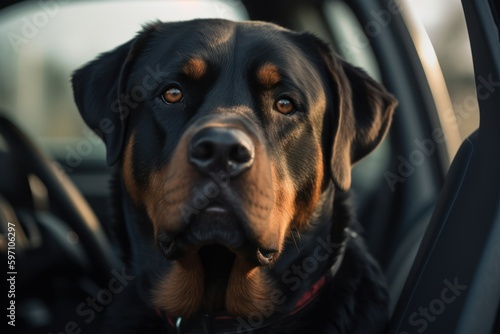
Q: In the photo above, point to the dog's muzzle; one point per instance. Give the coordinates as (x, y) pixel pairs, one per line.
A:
(228, 182)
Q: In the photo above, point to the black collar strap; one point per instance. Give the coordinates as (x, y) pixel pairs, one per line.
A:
(226, 324)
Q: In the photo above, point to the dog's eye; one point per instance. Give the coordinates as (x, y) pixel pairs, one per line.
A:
(172, 95)
(284, 106)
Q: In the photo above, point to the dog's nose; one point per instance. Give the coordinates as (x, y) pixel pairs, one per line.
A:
(214, 149)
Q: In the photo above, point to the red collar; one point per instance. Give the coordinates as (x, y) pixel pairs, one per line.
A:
(228, 324)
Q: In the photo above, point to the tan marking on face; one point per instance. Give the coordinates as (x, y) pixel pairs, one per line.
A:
(257, 198)
(168, 189)
(195, 68)
(303, 216)
(284, 204)
(128, 170)
(268, 75)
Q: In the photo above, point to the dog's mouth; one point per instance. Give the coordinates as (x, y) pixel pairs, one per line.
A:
(217, 262)
(216, 227)
(214, 244)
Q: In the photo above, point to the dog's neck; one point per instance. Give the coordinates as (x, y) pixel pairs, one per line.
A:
(310, 255)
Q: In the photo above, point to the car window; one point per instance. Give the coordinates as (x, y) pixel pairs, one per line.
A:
(350, 37)
(44, 42)
(351, 43)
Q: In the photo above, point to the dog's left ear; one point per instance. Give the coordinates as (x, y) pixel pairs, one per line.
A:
(362, 113)
(99, 87)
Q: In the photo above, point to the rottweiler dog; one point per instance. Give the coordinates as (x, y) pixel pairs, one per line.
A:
(233, 144)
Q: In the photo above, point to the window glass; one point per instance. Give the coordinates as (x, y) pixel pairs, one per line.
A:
(352, 44)
(43, 42)
(445, 24)
(350, 39)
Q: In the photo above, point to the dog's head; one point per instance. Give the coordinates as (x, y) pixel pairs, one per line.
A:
(226, 135)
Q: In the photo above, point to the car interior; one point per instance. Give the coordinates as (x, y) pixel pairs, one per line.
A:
(428, 200)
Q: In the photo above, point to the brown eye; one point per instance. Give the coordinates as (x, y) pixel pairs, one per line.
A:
(172, 95)
(284, 106)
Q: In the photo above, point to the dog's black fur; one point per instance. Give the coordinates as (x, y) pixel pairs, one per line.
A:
(284, 119)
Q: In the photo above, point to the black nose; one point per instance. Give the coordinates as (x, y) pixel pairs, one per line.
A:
(214, 149)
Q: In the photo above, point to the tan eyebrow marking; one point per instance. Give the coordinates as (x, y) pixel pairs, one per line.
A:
(268, 75)
(195, 68)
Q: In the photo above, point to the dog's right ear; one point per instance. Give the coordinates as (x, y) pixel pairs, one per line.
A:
(361, 113)
(98, 87)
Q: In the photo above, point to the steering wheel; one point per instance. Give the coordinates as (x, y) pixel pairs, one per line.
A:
(33, 184)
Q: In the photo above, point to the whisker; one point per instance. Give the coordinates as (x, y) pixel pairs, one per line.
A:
(294, 226)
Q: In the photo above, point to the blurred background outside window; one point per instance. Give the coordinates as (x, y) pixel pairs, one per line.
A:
(42, 42)
(444, 22)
